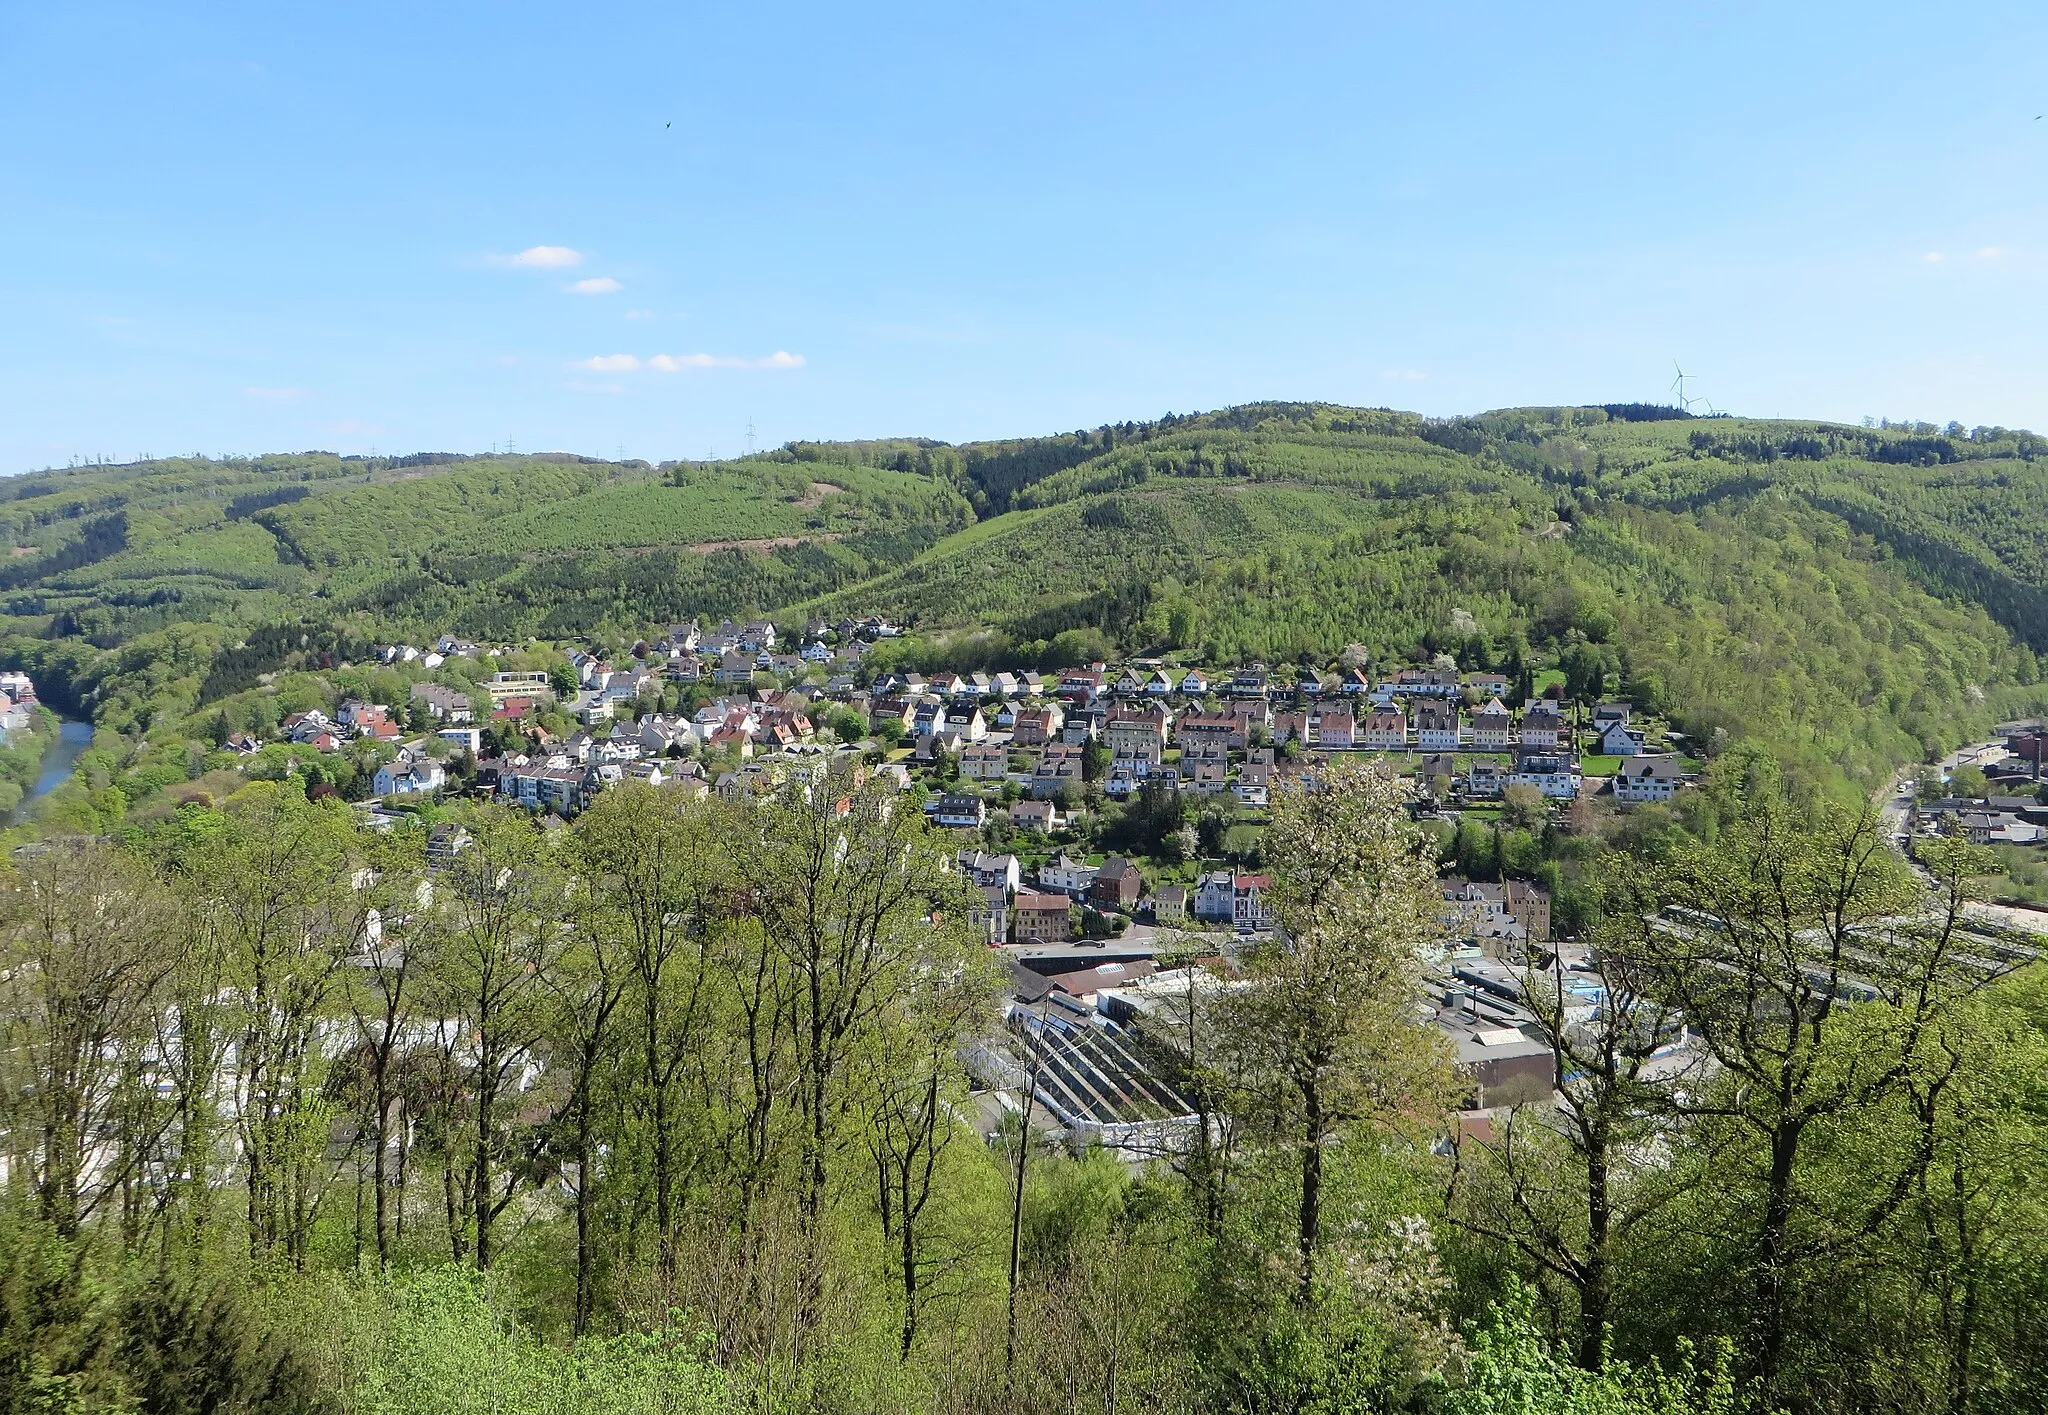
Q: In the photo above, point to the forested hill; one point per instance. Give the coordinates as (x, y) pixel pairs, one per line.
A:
(1856, 596)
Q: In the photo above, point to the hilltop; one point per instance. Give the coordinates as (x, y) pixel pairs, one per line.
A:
(1855, 596)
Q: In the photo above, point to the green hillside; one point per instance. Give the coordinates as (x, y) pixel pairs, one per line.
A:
(1854, 596)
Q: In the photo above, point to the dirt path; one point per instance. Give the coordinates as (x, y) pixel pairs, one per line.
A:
(765, 543)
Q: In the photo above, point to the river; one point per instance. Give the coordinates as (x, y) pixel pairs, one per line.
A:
(72, 739)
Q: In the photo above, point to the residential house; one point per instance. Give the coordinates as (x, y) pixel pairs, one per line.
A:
(1251, 681)
(734, 667)
(1998, 828)
(1250, 712)
(1067, 875)
(1493, 727)
(1290, 726)
(444, 843)
(1258, 766)
(1487, 685)
(1436, 772)
(1543, 725)
(303, 727)
(1219, 727)
(1169, 905)
(1332, 725)
(1486, 778)
(985, 761)
(1117, 884)
(1354, 682)
(1042, 918)
(1618, 739)
(1424, 683)
(968, 722)
(1488, 910)
(1648, 779)
(1215, 897)
(661, 734)
(1057, 765)
(1135, 732)
(961, 811)
(442, 703)
(1249, 912)
(469, 739)
(945, 742)
(1037, 725)
(408, 774)
(555, 788)
(900, 710)
(650, 773)
(1386, 728)
(1083, 686)
(1130, 763)
(1041, 816)
(985, 869)
(1193, 684)
(1552, 773)
(1082, 726)
(1209, 774)
(371, 722)
(1607, 714)
(623, 745)
(1436, 725)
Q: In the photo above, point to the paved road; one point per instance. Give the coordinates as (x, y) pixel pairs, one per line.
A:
(1895, 804)
(2030, 920)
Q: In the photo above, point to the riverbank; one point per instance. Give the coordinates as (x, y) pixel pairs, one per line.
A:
(25, 755)
(59, 758)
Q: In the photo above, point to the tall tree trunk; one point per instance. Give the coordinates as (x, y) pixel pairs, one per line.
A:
(583, 1206)
(382, 1140)
(1596, 1283)
(1771, 1254)
(1309, 1232)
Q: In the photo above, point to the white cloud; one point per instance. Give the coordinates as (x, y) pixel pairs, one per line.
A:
(1934, 257)
(1404, 375)
(1989, 252)
(542, 258)
(639, 314)
(596, 285)
(677, 363)
(274, 395)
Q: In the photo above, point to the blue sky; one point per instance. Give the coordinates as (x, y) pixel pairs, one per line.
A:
(443, 226)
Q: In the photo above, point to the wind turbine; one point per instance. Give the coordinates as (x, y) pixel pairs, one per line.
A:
(1678, 387)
